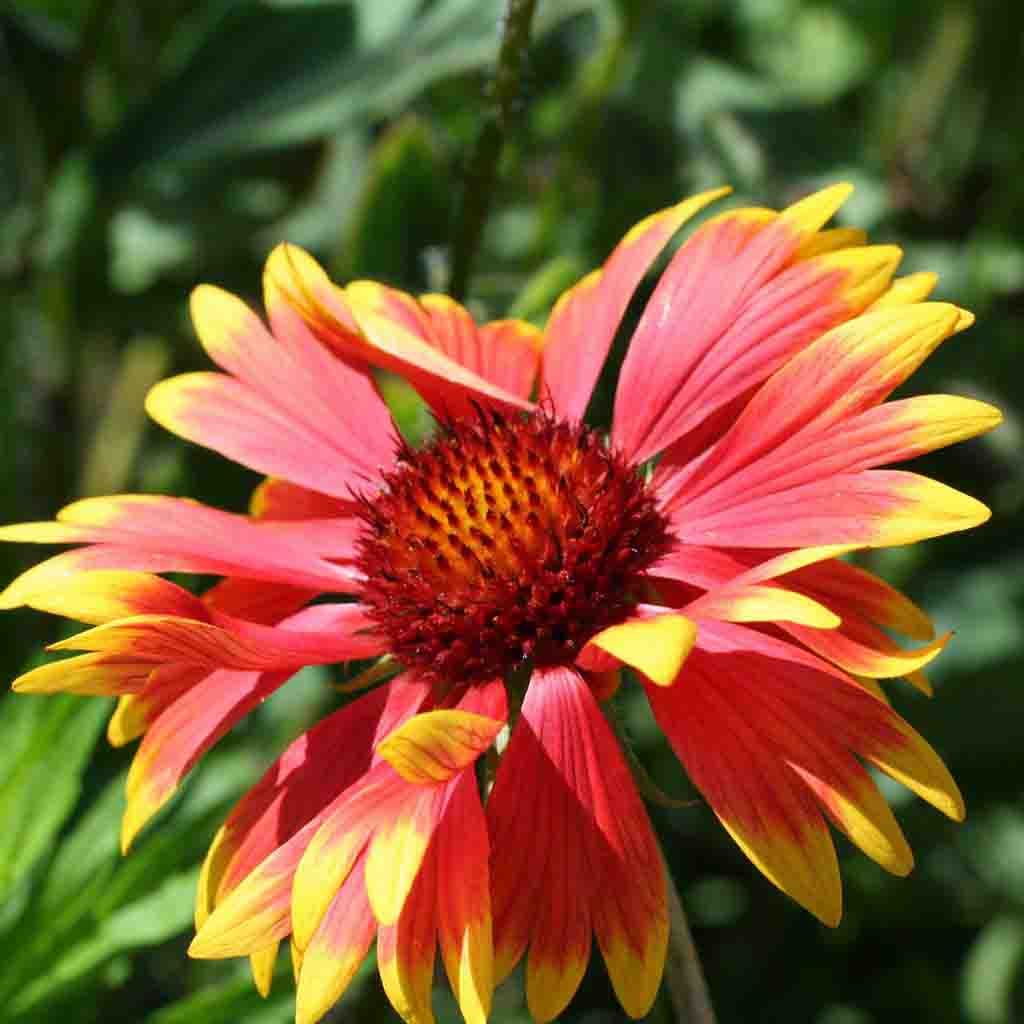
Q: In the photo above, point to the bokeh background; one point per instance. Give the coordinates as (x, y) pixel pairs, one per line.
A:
(145, 147)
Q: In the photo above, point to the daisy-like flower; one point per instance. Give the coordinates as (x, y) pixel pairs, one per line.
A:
(504, 574)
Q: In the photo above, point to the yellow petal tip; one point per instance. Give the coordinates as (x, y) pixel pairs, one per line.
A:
(657, 647)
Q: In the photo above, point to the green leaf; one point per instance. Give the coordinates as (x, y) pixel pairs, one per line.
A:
(235, 1000)
(404, 209)
(46, 744)
(990, 973)
(165, 912)
(268, 76)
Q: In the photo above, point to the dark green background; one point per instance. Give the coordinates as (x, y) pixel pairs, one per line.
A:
(146, 147)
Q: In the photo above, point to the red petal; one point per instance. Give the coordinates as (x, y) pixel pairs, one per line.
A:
(159, 533)
(579, 854)
(585, 319)
(336, 951)
(728, 312)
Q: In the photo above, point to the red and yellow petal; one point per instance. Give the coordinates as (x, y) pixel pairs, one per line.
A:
(158, 534)
(769, 733)
(277, 410)
(321, 634)
(874, 508)
(406, 949)
(182, 733)
(862, 650)
(281, 499)
(755, 602)
(381, 800)
(337, 949)
(257, 912)
(100, 674)
(747, 307)
(246, 884)
(580, 855)
(905, 291)
(378, 325)
(657, 646)
(815, 417)
(584, 321)
(136, 712)
(851, 590)
(464, 923)
(102, 595)
(437, 745)
(506, 353)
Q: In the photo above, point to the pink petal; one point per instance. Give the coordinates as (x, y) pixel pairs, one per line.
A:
(374, 324)
(579, 854)
(731, 308)
(506, 352)
(159, 534)
(585, 319)
(870, 508)
(814, 408)
(183, 733)
(290, 407)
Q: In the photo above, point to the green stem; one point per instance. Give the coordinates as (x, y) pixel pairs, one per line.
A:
(482, 167)
(684, 977)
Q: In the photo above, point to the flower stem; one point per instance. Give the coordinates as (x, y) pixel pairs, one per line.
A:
(684, 977)
(482, 167)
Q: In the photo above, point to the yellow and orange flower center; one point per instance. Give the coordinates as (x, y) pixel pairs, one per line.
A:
(505, 539)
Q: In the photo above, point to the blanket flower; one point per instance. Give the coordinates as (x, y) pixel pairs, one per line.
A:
(507, 576)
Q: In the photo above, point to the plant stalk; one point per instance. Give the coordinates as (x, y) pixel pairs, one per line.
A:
(684, 976)
(482, 166)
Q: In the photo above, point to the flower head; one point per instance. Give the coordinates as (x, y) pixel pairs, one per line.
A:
(521, 554)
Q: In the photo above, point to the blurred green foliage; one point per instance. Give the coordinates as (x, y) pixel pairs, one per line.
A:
(148, 147)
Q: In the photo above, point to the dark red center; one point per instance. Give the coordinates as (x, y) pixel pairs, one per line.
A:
(505, 539)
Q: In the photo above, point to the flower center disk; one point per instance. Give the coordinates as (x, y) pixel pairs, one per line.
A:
(505, 539)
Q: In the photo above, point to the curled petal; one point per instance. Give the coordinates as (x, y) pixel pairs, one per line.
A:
(655, 646)
(371, 323)
(437, 745)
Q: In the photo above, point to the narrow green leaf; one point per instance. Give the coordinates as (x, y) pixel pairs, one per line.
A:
(269, 76)
(47, 743)
(234, 1000)
(167, 911)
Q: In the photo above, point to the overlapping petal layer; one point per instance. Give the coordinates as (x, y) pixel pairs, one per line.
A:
(584, 320)
(735, 302)
(276, 408)
(577, 858)
(381, 326)
(160, 534)
(768, 733)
